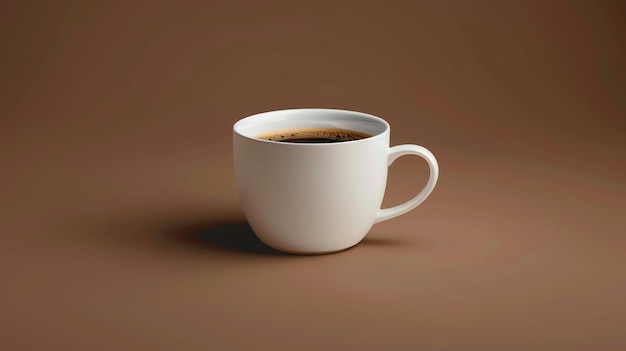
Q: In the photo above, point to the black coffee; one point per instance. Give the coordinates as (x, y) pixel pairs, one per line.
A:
(313, 135)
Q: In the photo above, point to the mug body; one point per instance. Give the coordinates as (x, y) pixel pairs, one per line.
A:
(311, 197)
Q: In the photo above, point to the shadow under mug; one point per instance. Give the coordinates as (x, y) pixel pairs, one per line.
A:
(314, 198)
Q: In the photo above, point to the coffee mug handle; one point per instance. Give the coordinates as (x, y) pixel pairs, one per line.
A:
(401, 150)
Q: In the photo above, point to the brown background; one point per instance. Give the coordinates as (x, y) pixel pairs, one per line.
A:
(120, 223)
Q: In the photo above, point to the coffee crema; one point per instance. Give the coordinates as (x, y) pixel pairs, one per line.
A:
(313, 135)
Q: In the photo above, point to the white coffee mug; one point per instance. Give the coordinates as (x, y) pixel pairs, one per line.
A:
(312, 198)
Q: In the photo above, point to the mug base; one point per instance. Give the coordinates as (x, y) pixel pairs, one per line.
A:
(308, 253)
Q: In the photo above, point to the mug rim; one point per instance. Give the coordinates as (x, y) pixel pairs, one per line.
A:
(361, 115)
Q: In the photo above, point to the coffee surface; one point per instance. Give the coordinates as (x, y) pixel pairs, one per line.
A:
(313, 135)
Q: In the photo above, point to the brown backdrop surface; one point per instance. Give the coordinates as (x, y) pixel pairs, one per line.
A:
(120, 226)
